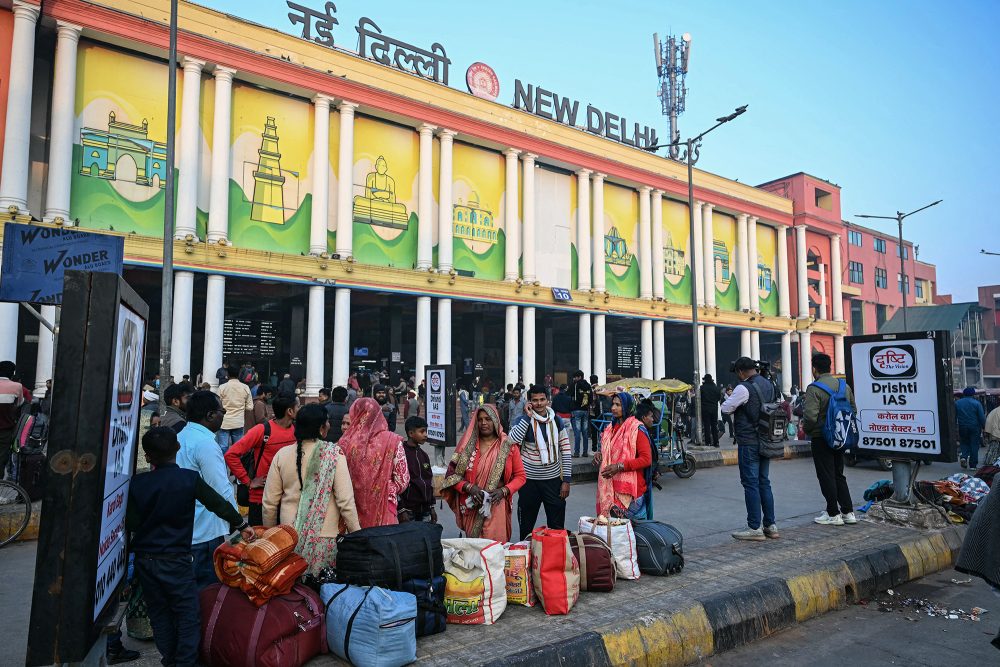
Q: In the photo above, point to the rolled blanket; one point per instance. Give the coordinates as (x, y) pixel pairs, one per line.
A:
(264, 568)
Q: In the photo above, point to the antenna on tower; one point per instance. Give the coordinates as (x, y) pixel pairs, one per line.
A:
(672, 58)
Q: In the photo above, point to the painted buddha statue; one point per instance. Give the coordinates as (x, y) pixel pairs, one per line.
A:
(378, 206)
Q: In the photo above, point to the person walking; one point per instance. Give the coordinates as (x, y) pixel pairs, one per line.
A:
(547, 461)
(236, 401)
(287, 386)
(745, 405)
(710, 399)
(971, 418)
(580, 394)
(829, 462)
(727, 420)
(516, 406)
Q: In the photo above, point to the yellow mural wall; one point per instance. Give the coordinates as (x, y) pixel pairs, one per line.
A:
(727, 288)
(478, 211)
(621, 222)
(767, 274)
(676, 252)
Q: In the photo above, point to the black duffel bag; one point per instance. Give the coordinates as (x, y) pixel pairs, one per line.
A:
(386, 556)
(659, 547)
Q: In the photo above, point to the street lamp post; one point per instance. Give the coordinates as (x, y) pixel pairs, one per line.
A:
(167, 277)
(691, 154)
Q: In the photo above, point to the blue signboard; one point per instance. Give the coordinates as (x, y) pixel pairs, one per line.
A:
(561, 294)
(35, 258)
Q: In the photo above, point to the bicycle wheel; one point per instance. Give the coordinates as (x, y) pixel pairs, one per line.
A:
(15, 511)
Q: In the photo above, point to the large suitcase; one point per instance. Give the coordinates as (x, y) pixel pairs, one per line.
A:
(31, 469)
(597, 563)
(287, 631)
(659, 546)
(387, 556)
(370, 626)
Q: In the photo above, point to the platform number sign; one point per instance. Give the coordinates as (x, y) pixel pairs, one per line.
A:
(561, 294)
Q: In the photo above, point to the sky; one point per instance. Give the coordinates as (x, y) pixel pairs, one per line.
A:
(894, 100)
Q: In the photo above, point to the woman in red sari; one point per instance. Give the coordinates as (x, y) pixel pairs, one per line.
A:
(377, 463)
(625, 453)
(484, 461)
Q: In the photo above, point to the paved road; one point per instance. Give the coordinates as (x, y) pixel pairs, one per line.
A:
(863, 635)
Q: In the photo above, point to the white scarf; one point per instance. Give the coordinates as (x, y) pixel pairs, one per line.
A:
(548, 447)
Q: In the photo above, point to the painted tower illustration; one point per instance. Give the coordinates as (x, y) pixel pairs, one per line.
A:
(673, 258)
(268, 182)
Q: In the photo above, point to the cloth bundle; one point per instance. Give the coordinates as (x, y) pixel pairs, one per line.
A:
(264, 568)
(973, 487)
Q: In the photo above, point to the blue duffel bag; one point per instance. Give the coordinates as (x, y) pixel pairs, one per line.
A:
(370, 626)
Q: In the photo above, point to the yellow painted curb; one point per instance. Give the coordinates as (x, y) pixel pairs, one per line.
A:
(662, 641)
(820, 591)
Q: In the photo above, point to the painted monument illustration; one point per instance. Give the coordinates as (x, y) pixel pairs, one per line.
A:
(763, 278)
(673, 258)
(268, 203)
(616, 249)
(123, 152)
(472, 222)
(378, 205)
(720, 260)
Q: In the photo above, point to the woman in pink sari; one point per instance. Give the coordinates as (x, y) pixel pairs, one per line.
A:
(625, 453)
(377, 463)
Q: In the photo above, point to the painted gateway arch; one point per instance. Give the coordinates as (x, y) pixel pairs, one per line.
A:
(103, 149)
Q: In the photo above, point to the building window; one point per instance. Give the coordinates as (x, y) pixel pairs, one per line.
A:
(881, 314)
(881, 278)
(857, 317)
(856, 272)
(906, 252)
(855, 238)
(824, 200)
(901, 284)
(919, 286)
(880, 245)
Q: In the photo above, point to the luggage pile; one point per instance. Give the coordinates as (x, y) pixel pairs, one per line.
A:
(264, 568)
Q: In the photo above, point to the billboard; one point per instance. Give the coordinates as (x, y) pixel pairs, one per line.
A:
(440, 401)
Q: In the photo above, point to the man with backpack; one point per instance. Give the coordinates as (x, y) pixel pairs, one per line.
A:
(828, 412)
(747, 404)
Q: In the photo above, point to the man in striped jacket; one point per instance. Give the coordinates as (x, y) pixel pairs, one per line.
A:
(548, 463)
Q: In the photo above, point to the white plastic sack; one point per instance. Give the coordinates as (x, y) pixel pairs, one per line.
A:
(475, 591)
(620, 537)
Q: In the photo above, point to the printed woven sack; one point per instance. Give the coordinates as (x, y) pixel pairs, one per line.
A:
(554, 571)
(619, 535)
(517, 570)
(475, 591)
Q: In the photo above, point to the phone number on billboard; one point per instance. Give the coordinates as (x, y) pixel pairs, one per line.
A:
(901, 443)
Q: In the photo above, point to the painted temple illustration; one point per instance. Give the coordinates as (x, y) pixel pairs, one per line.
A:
(673, 258)
(720, 259)
(378, 205)
(616, 249)
(763, 276)
(472, 222)
(268, 203)
(104, 150)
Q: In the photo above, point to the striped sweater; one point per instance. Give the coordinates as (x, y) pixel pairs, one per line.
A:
(521, 435)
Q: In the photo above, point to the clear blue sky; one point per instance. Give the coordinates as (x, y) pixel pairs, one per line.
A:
(894, 101)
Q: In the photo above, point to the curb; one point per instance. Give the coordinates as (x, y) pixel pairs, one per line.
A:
(734, 618)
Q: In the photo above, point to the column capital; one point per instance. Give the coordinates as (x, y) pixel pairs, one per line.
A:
(528, 157)
(447, 134)
(191, 65)
(346, 107)
(698, 203)
(657, 192)
(800, 229)
(584, 173)
(598, 176)
(752, 219)
(427, 129)
(67, 30)
(742, 216)
(321, 100)
(26, 10)
(710, 207)
(223, 73)
(512, 153)
(645, 189)
(835, 237)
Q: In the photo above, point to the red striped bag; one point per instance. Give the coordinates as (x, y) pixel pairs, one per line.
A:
(554, 570)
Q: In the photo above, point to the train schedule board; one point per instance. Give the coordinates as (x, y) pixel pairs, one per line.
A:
(903, 388)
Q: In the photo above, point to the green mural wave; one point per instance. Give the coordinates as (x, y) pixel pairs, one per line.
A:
(574, 267)
(769, 306)
(291, 237)
(681, 292)
(486, 266)
(728, 299)
(625, 285)
(400, 252)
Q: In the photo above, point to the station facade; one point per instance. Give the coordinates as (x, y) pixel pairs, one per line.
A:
(336, 212)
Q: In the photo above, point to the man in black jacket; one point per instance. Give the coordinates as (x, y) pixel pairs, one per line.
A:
(711, 396)
(337, 410)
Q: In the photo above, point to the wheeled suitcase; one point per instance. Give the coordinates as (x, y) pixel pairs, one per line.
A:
(659, 546)
(597, 563)
(286, 631)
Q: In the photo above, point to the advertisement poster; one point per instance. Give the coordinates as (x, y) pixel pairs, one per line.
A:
(119, 453)
(676, 256)
(621, 258)
(437, 410)
(727, 288)
(478, 211)
(767, 253)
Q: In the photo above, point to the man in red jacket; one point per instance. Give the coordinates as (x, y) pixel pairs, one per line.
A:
(264, 440)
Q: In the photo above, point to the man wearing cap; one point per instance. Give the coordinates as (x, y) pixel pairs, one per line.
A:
(711, 396)
(971, 418)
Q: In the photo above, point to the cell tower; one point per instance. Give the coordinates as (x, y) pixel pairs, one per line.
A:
(672, 58)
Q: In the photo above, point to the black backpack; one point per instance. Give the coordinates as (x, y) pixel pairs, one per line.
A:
(250, 464)
(772, 422)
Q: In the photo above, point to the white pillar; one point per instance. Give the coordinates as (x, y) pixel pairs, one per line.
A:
(188, 160)
(710, 364)
(697, 257)
(659, 350)
(510, 347)
(702, 365)
(837, 279)
(708, 262)
(425, 206)
(423, 335)
(345, 209)
(510, 224)
(646, 345)
(822, 292)
(528, 217)
(742, 268)
(17, 130)
(444, 331)
(218, 197)
(315, 335)
(180, 336)
(839, 363)
(585, 353)
(341, 333)
(746, 349)
(752, 279)
(805, 359)
(320, 182)
(528, 370)
(786, 363)
(755, 344)
(43, 362)
(583, 237)
(61, 136)
(597, 237)
(645, 247)
(215, 316)
(783, 305)
(657, 240)
(800, 271)
(600, 348)
(446, 244)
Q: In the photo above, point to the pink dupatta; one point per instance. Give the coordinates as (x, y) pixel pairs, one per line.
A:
(370, 448)
(618, 444)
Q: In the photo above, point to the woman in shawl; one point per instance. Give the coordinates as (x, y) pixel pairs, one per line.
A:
(625, 453)
(980, 554)
(309, 486)
(485, 462)
(377, 461)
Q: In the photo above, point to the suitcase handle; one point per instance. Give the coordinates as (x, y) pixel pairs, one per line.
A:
(583, 561)
(258, 624)
(350, 626)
